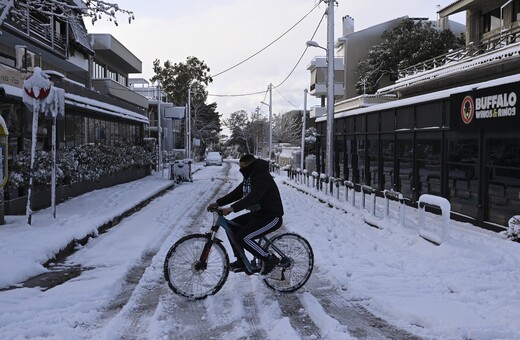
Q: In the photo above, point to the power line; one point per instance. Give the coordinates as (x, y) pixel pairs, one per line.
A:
(264, 48)
(287, 77)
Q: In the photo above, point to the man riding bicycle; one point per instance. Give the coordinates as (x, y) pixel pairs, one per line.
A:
(259, 194)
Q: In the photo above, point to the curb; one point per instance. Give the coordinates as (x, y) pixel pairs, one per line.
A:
(69, 248)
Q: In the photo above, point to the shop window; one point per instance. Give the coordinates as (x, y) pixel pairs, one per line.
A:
(429, 165)
(463, 175)
(405, 165)
(360, 123)
(373, 122)
(373, 162)
(404, 118)
(387, 154)
(429, 115)
(387, 121)
(503, 179)
(361, 160)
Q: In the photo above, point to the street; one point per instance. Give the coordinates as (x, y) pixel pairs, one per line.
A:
(117, 290)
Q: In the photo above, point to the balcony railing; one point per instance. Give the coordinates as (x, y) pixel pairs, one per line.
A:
(494, 43)
(41, 31)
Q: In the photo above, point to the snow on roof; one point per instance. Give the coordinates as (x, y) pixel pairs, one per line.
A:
(426, 97)
(12, 91)
(87, 103)
(454, 67)
(96, 105)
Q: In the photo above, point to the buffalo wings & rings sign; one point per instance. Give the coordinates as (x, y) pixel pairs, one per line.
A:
(490, 107)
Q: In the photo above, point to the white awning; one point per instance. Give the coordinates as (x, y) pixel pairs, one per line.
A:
(85, 103)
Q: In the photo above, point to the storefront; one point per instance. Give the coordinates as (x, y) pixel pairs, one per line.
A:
(462, 144)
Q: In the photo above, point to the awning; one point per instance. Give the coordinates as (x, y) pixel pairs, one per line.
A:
(83, 102)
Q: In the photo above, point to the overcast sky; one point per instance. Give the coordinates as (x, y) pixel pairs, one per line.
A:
(226, 32)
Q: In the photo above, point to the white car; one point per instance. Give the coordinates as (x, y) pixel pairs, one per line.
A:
(213, 158)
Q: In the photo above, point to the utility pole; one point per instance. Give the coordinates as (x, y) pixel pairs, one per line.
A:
(304, 118)
(330, 88)
(188, 124)
(270, 121)
(159, 128)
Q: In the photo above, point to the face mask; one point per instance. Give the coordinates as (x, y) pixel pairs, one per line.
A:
(247, 171)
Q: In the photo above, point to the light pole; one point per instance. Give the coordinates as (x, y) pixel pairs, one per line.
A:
(304, 118)
(270, 120)
(330, 84)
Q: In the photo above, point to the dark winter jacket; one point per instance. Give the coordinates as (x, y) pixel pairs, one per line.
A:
(257, 192)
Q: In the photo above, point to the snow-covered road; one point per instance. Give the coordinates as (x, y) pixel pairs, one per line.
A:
(416, 289)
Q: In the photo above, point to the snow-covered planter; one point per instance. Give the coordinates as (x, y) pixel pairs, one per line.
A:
(513, 230)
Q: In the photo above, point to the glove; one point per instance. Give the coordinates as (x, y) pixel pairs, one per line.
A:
(212, 207)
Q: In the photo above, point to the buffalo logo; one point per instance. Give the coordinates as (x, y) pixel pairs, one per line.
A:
(467, 110)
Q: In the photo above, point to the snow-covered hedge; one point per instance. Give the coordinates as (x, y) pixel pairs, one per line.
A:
(76, 164)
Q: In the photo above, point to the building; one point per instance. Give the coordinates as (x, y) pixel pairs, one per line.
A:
(452, 130)
(92, 69)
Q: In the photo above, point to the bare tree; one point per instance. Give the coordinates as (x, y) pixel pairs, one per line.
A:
(94, 9)
(287, 127)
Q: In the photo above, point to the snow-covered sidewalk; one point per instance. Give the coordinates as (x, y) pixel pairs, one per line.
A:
(25, 248)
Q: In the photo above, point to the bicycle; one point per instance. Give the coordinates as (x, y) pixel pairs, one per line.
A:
(197, 265)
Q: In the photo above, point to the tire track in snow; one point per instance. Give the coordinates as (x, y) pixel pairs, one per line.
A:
(144, 297)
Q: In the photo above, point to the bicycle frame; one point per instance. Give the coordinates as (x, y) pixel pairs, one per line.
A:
(220, 221)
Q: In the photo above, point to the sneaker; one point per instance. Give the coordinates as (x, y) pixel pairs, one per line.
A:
(269, 264)
(237, 266)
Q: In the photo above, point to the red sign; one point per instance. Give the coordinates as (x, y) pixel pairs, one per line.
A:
(467, 109)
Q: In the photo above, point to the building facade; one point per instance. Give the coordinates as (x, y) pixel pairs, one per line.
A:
(92, 69)
(452, 130)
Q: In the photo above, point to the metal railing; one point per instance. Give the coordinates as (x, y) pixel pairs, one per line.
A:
(494, 43)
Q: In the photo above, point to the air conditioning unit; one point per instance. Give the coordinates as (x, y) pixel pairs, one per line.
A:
(24, 58)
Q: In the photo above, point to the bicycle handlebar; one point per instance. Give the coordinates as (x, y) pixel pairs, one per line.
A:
(217, 210)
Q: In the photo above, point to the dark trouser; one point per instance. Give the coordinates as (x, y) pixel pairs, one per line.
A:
(251, 228)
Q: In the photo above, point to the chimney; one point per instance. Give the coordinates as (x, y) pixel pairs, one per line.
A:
(348, 25)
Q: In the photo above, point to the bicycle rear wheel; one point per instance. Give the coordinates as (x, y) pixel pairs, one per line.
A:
(187, 275)
(296, 266)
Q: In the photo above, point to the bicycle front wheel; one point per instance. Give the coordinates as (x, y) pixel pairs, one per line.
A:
(296, 265)
(187, 275)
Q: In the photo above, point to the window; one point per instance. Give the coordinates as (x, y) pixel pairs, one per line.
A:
(503, 184)
(405, 164)
(516, 10)
(429, 115)
(429, 164)
(404, 118)
(492, 20)
(463, 175)
(387, 154)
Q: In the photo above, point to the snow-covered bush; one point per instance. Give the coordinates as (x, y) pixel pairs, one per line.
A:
(513, 230)
(76, 164)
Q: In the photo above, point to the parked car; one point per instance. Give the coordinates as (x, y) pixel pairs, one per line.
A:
(213, 158)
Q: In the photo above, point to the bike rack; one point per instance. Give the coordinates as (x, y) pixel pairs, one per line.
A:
(395, 196)
(445, 207)
(350, 185)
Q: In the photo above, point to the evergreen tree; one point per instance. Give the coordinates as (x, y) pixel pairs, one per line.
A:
(175, 80)
(408, 44)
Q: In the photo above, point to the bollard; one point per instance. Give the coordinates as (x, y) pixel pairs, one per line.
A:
(369, 190)
(445, 207)
(396, 196)
(315, 182)
(350, 185)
